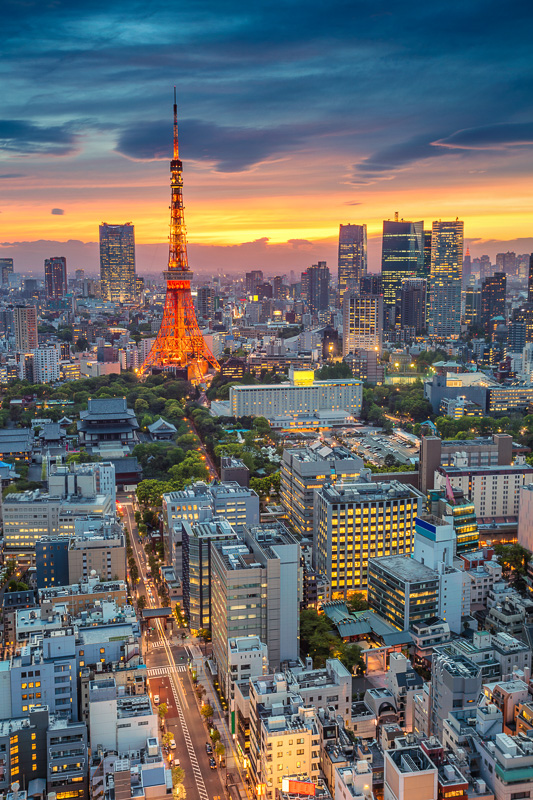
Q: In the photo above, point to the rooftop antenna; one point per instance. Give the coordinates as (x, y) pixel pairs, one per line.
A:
(176, 147)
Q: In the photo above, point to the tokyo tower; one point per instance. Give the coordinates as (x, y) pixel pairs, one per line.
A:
(179, 345)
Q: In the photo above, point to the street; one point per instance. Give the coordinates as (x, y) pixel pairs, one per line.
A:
(166, 658)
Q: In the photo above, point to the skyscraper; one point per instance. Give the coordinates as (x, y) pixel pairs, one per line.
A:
(318, 287)
(530, 280)
(25, 325)
(55, 277)
(467, 268)
(362, 322)
(493, 291)
(205, 302)
(252, 280)
(371, 283)
(117, 262)
(427, 255)
(6, 269)
(446, 279)
(413, 304)
(402, 257)
(352, 256)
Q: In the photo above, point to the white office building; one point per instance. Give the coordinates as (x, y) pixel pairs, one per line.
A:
(302, 395)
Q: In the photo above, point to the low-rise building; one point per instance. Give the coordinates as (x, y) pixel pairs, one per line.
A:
(409, 773)
(119, 722)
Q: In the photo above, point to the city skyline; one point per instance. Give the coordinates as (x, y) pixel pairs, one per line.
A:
(393, 125)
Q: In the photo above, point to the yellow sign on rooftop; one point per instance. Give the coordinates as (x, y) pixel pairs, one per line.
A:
(303, 377)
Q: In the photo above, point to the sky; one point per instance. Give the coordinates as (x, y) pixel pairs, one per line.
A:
(294, 117)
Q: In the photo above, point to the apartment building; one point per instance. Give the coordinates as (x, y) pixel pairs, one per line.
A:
(455, 684)
(119, 722)
(409, 773)
(357, 522)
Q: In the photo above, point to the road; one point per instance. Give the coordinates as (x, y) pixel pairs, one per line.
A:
(166, 658)
(213, 474)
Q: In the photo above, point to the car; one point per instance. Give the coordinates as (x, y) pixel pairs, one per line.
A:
(156, 699)
(212, 763)
(208, 749)
(176, 762)
(172, 744)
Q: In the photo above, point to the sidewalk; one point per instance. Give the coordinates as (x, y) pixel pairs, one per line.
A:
(233, 765)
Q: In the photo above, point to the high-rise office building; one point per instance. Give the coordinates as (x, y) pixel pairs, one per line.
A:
(254, 591)
(318, 287)
(446, 279)
(6, 269)
(352, 256)
(280, 289)
(427, 255)
(530, 280)
(252, 281)
(371, 283)
(355, 522)
(25, 325)
(79, 275)
(205, 302)
(493, 291)
(402, 257)
(507, 262)
(117, 262)
(467, 268)
(413, 304)
(362, 322)
(472, 313)
(55, 277)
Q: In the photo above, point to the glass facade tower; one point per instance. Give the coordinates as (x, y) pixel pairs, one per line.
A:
(352, 256)
(446, 279)
(402, 258)
(117, 262)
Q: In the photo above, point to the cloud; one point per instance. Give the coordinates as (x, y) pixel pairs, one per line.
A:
(398, 156)
(25, 138)
(58, 211)
(490, 137)
(231, 149)
(352, 203)
(9, 175)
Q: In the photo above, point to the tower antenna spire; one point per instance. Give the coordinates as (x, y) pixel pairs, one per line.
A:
(176, 146)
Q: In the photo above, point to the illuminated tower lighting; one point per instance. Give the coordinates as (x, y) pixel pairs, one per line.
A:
(179, 345)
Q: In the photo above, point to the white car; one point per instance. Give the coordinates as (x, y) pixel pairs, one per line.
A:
(172, 744)
(156, 699)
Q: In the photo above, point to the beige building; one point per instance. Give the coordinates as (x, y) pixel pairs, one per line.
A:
(284, 742)
(409, 775)
(495, 490)
(98, 545)
(362, 322)
(25, 325)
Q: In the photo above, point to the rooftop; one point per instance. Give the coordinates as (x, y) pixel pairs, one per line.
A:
(367, 492)
(404, 568)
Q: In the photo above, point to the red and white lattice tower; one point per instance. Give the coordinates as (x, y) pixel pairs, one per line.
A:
(179, 345)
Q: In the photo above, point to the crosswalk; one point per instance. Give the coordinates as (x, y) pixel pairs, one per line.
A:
(198, 777)
(155, 645)
(161, 672)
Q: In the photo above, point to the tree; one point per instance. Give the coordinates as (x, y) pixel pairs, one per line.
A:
(167, 738)
(207, 711)
(389, 460)
(162, 711)
(357, 602)
(316, 636)
(141, 602)
(350, 656)
(141, 406)
(179, 616)
(215, 735)
(220, 750)
(82, 344)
